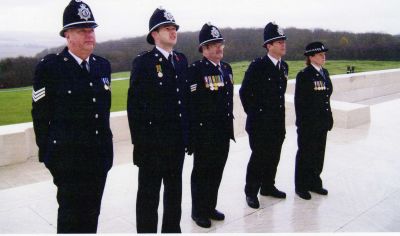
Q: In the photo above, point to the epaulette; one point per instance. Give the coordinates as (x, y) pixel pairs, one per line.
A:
(98, 58)
(49, 57)
(143, 53)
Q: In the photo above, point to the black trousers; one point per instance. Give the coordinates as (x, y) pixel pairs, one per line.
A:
(309, 158)
(261, 169)
(80, 173)
(208, 167)
(79, 197)
(148, 197)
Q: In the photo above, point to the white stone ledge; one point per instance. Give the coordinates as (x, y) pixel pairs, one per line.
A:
(17, 142)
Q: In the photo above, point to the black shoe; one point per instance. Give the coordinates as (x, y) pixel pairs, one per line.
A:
(202, 221)
(274, 192)
(253, 202)
(304, 194)
(320, 191)
(217, 215)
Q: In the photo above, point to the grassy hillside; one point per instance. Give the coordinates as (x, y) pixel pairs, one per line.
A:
(15, 104)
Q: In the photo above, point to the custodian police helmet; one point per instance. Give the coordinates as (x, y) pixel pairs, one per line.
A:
(272, 32)
(209, 33)
(77, 15)
(314, 47)
(160, 17)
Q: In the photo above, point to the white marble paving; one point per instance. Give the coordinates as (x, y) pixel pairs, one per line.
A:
(361, 173)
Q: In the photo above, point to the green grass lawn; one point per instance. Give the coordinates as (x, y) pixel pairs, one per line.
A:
(15, 104)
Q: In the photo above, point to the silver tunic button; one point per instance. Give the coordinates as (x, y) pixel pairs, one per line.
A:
(69, 92)
(177, 90)
(260, 109)
(97, 132)
(94, 99)
(176, 76)
(150, 123)
(96, 116)
(91, 84)
(55, 141)
(180, 114)
(201, 124)
(179, 102)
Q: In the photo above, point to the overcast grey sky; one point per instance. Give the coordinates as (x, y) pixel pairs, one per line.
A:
(128, 18)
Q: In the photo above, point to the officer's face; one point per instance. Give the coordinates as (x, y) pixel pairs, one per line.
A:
(277, 48)
(81, 40)
(318, 59)
(165, 35)
(214, 51)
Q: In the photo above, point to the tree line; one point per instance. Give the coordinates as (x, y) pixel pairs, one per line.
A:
(242, 44)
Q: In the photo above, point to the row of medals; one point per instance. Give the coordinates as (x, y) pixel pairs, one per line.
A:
(319, 85)
(213, 82)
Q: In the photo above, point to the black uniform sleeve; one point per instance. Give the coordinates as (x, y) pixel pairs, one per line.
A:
(136, 105)
(41, 107)
(246, 91)
(300, 99)
(192, 105)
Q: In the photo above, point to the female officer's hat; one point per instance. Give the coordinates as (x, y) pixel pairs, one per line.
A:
(77, 15)
(314, 47)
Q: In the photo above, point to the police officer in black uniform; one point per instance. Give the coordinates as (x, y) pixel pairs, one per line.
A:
(158, 125)
(313, 120)
(263, 98)
(211, 123)
(71, 102)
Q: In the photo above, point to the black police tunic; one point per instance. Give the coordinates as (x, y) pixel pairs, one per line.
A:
(156, 109)
(263, 96)
(211, 102)
(71, 111)
(313, 120)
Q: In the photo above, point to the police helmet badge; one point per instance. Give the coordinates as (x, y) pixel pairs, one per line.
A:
(215, 33)
(168, 16)
(84, 12)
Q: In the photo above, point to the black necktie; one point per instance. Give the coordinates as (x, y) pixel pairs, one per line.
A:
(322, 73)
(171, 59)
(221, 73)
(278, 65)
(84, 67)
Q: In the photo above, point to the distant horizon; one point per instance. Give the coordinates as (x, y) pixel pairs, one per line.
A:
(12, 43)
(126, 18)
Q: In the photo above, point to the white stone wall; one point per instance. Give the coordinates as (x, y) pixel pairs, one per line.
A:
(17, 142)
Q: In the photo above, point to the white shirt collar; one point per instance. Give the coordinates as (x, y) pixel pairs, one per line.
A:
(215, 64)
(165, 53)
(273, 59)
(78, 59)
(318, 68)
